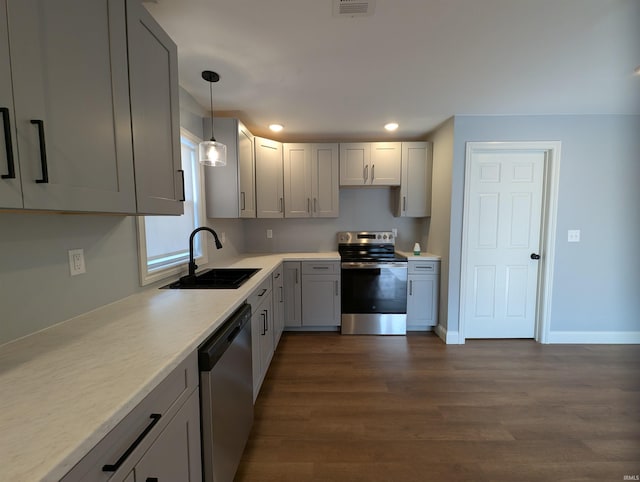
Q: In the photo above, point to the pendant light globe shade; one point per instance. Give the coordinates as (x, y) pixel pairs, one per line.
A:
(213, 153)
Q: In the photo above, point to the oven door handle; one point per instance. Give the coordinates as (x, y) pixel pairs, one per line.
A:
(359, 265)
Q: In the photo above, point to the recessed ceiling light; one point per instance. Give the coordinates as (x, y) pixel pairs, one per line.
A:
(391, 126)
(276, 127)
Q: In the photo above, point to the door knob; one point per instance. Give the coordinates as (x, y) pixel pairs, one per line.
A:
(535, 256)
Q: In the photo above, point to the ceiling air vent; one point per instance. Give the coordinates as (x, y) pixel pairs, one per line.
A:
(353, 8)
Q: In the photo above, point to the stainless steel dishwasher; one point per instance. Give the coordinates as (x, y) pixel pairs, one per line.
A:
(226, 396)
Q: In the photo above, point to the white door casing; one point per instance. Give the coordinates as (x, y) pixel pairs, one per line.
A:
(509, 213)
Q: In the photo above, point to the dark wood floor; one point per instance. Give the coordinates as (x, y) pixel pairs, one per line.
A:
(378, 409)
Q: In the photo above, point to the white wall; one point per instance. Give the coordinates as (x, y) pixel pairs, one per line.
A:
(439, 231)
(36, 289)
(597, 281)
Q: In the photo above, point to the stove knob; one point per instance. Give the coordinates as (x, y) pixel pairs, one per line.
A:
(378, 236)
(384, 237)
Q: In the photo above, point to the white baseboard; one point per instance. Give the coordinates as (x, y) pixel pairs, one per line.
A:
(449, 337)
(595, 337)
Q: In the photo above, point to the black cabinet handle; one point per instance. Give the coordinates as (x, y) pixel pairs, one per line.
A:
(535, 256)
(43, 152)
(181, 171)
(264, 324)
(11, 170)
(264, 290)
(152, 479)
(155, 418)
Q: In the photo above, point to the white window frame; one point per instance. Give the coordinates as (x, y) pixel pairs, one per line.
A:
(179, 267)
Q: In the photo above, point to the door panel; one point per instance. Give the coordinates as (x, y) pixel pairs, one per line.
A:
(354, 163)
(269, 179)
(503, 219)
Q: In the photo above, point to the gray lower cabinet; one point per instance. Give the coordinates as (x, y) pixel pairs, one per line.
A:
(175, 454)
(278, 304)
(422, 294)
(292, 271)
(312, 293)
(321, 293)
(159, 438)
(262, 338)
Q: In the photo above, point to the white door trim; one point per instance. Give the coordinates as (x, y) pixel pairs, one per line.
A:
(547, 232)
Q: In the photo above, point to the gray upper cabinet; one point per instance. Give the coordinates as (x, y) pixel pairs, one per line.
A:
(297, 180)
(386, 160)
(68, 64)
(81, 76)
(414, 195)
(246, 172)
(10, 189)
(355, 158)
(325, 175)
(370, 164)
(155, 114)
(269, 179)
(230, 190)
(311, 174)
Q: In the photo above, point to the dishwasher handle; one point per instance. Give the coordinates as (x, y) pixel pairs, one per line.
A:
(212, 350)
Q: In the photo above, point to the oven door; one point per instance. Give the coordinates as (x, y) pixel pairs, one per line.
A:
(374, 298)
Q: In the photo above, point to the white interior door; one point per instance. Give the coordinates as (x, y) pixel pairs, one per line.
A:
(503, 209)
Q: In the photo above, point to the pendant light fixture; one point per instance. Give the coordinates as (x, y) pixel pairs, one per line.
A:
(212, 152)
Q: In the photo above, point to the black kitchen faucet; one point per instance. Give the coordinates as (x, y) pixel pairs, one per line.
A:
(192, 264)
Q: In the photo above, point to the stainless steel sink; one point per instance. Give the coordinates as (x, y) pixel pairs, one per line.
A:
(216, 278)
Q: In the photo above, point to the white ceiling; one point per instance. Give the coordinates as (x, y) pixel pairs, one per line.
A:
(416, 62)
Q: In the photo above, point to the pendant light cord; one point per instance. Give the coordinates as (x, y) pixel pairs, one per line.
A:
(211, 97)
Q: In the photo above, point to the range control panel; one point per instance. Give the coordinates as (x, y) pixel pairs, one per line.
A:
(366, 237)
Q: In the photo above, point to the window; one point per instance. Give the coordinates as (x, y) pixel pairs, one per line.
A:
(163, 241)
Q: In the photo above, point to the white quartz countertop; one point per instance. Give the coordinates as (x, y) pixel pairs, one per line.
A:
(64, 388)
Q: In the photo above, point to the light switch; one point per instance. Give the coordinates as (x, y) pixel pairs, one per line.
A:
(269, 233)
(573, 236)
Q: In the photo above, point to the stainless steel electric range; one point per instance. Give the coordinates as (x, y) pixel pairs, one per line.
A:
(374, 284)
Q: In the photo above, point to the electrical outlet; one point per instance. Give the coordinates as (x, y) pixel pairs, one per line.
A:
(395, 232)
(76, 262)
(269, 233)
(573, 236)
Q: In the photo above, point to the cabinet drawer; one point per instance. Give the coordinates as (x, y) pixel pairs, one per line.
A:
(320, 267)
(424, 267)
(259, 294)
(127, 442)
